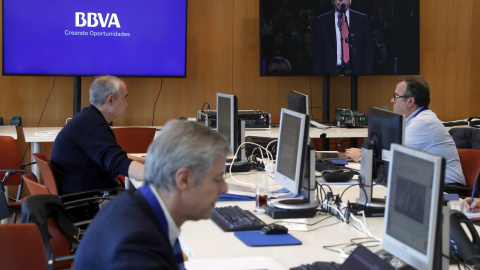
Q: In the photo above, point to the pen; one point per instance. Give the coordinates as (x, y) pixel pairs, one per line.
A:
(473, 193)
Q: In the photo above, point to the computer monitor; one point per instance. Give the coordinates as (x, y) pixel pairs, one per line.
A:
(298, 102)
(384, 128)
(413, 209)
(228, 122)
(294, 169)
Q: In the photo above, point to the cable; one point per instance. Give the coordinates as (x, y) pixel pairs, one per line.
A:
(41, 115)
(155, 104)
(267, 166)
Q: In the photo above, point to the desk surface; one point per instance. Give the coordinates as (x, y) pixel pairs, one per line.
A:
(8, 131)
(46, 134)
(333, 132)
(197, 236)
(203, 239)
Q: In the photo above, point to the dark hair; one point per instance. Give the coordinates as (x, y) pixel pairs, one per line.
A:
(418, 88)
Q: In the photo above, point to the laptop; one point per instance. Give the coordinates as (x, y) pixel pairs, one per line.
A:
(330, 155)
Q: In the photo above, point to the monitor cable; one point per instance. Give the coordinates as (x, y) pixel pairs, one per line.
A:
(41, 115)
(155, 104)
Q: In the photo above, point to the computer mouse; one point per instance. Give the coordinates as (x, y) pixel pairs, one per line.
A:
(274, 229)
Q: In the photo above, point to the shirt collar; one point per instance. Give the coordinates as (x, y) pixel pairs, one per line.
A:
(415, 113)
(173, 230)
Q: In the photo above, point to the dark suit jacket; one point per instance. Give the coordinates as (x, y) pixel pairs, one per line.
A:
(125, 234)
(325, 44)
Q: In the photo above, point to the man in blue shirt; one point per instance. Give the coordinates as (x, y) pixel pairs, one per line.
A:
(184, 177)
(85, 154)
(423, 130)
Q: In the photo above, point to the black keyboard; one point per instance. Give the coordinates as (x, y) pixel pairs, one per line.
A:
(234, 218)
(325, 165)
(318, 266)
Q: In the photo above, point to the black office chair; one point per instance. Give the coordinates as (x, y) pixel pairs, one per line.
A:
(466, 138)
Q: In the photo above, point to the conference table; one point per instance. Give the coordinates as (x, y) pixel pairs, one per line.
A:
(205, 243)
(323, 237)
(38, 135)
(9, 131)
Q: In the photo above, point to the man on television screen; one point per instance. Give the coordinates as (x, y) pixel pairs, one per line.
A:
(342, 42)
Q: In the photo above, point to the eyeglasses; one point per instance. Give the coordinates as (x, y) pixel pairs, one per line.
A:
(395, 96)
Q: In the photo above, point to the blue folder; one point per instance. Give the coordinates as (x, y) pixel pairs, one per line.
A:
(256, 239)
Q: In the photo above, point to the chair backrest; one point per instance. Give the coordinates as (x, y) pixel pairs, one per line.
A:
(9, 160)
(466, 138)
(134, 139)
(59, 243)
(22, 247)
(46, 172)
(56, 226)
(470, 161)
(34, 187)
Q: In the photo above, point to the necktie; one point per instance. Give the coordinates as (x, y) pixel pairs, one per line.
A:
(177, 251)
(346, 54)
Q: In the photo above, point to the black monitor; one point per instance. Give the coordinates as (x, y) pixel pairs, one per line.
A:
(298, 38)
(384, 128)
(294, 168)
(298, 102)
(413, 209)
(228, 123)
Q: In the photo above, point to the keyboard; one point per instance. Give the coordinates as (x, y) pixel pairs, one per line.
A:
(234, 218)
(318, 266)
(325, 165)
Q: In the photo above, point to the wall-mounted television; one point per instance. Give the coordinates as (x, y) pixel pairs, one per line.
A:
(85, 37)
(303, 38)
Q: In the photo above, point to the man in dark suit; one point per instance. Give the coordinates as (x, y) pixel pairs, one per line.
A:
(329, 55)
(184, 177)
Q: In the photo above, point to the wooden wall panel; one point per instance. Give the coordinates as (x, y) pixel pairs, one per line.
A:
(223, 56)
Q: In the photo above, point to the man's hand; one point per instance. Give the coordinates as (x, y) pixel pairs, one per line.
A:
(353, 153)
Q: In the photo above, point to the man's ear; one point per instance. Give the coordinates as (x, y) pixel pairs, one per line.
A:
(110, 99)
(184, 179)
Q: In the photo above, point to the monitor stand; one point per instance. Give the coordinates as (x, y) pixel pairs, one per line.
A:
(240, 163)
(298, 208)
(372, 207)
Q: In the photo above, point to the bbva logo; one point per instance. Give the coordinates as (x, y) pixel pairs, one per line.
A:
(94, 19)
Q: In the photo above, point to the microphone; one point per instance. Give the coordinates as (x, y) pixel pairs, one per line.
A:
(343, 7)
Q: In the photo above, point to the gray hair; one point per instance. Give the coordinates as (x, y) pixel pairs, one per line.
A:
(102, 87)
(182, 144)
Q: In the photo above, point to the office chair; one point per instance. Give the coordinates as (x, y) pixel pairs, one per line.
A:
(46, 171)
(11, 172)
(34, 187)
(133, 140)
(22, 247)
(466, 138)
(60, 233)
(470, 162)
